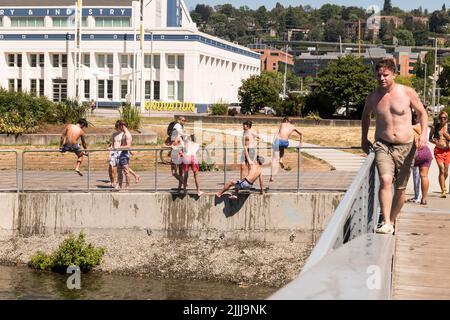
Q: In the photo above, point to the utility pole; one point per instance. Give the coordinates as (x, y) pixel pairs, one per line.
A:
(141, 38)
(434, 78)
(285, 73)
(425, 84)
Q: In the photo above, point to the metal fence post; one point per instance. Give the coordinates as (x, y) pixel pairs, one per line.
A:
(156, 170)
(298, 169)
(89, 173)
(17, 171)
(224, 166)
(23, 170)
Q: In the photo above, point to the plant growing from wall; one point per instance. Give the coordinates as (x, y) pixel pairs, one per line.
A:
(131, 115)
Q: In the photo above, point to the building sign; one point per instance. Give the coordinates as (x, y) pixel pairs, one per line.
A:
(66, 12)
(170, 106)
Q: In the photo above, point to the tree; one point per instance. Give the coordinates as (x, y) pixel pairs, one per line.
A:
(405, 37)
(329, 11)
(333, 29)
(444, 77)
(404, 80)
(439, 21)
(346, 82)
(204, 11)
(261, 16)
(387, 7)
(259, 91)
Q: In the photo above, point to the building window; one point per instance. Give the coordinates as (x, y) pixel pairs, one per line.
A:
(171, 61)
(147, 61)
(41, 87)
(156, 90)
(33, 87)
(87, 89)
(28, 22)
(59, 90)
(180, 90)
(126, 61)
(110, 89)
(180, 62)
(123, 89)
(61, 22)
(11, 85)
(147, 90)
(15, 60)
(171, 90)
(156, 61)
(101, 89)
(105, 60)
(108, 22)
(19, 85)
(33, 60)
(87, 60)
(59, 60)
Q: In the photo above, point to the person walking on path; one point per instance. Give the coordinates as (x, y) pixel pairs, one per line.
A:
(246, 183)
(440, 136)
(69, 141)
(422, 163)
(249, 144)
(176, 160)
(394, 145)
(191, 148)
(113, 161)
(280, 143)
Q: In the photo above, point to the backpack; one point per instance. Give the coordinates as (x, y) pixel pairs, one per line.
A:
(170, 128)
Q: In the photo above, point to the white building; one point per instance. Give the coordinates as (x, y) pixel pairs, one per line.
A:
(39, 53)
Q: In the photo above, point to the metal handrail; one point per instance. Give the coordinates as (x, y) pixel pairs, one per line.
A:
(225, 150)
(17, 165)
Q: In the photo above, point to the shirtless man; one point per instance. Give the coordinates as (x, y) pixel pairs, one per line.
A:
(249, 141)
(394, 141)
(280, 143)
(440, 136)
(69, 141)
(248, 181)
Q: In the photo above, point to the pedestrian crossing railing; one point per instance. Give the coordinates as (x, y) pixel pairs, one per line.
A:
(9, 167)
(51, 170)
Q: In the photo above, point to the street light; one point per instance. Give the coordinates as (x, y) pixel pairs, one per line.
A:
(424, 83)
(434, 77)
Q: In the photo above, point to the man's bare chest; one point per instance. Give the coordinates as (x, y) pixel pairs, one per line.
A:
(398, 105)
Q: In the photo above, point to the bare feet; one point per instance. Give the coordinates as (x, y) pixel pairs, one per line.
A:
(79, 172)
(200, 193)
(138, 178)
(423, 202)
(271, 179)
(281, 165)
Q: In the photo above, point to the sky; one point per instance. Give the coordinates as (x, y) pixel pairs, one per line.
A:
(407, 5)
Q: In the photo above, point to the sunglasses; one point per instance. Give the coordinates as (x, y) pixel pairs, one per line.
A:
(442, 117)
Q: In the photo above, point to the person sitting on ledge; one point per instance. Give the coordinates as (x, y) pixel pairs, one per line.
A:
(248, 181)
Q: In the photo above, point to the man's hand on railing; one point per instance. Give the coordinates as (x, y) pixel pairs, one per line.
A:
(367, 146)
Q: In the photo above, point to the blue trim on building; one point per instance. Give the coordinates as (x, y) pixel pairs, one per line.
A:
(129, 37)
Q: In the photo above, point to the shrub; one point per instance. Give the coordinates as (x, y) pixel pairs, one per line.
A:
(73, 251)
(313, 116)
(131, 115)
(232, 112)
(219, 109)
(41, 261)
(70, 111)
(205, 166)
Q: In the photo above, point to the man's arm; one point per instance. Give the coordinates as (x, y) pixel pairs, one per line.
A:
(300, 135)
(365, 123)
(417, 105)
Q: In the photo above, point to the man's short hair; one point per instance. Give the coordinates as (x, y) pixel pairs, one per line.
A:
(387, 64)
(83, 123)
(248, 123)
(285, 120)
(121, 123)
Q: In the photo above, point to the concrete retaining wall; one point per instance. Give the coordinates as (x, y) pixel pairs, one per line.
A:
(53, 139)
(271, 217)
(191, 118)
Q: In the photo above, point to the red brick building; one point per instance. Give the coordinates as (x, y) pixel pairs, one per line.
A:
(273, 59)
